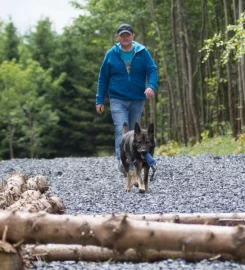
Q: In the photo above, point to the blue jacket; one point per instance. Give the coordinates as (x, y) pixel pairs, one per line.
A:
(115, 79)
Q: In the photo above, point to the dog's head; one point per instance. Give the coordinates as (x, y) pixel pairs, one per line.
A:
(144, 140)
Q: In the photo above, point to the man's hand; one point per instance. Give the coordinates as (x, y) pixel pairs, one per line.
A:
(149, 92)
(100, 108)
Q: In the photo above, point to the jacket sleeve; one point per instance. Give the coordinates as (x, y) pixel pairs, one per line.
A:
(103, 81)
(152, 74)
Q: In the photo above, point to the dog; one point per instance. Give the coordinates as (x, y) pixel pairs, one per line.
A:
(135, 144)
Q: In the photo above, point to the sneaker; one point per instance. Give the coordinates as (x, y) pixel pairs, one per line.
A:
(121, 169)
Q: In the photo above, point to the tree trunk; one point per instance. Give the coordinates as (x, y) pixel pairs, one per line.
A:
(153, 112)
(181, 114)
(241, 77)
(11, 132)
(229, 78)
(185, 76)
(162, 119)
(192, 95)
(202, 99)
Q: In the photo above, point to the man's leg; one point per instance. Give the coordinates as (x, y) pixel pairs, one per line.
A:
(119, 113)
(135, 111)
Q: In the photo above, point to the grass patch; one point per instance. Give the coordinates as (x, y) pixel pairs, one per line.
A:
(219, 146)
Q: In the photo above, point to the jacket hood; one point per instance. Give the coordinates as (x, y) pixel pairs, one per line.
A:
(138, 47)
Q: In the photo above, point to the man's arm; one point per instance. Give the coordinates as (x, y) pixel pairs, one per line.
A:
(103, 81)
(152, 74)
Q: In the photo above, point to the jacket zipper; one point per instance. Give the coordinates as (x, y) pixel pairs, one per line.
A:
(129, 78)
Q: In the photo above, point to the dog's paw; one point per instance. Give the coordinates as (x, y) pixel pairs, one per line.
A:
(141, 190)
(136, 184)
(127, 189)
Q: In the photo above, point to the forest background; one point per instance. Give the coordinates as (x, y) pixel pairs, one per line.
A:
(48, 81)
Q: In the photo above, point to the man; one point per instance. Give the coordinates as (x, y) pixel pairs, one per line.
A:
(129, 74)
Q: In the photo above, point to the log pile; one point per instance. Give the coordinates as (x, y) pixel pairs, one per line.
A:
(29, 194)
(42, 234)
(19, 193)
(122, 238)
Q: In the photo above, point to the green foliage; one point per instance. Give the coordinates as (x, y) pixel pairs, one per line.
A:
(103, 18)
(218, 145)
(235, 44)
(210, 45)
(2, 36)
(25, 115)
(170, 149)
(79, 125)
(11, 42)
(214, 83)
(241, 144)
(42, 43)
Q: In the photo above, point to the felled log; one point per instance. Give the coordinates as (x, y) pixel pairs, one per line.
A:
(59, 252)
(226, 219)
(121, 233)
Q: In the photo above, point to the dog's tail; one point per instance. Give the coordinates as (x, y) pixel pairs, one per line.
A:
(125, 128)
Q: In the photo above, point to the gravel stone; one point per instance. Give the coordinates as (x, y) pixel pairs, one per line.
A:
(185, 184)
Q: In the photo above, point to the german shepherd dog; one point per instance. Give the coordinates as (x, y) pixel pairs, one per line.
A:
(135, 144)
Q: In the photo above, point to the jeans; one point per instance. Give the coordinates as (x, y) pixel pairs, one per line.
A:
(124, 111)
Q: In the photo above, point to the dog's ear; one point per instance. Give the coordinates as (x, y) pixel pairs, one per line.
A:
(137, 129)
(151, 129)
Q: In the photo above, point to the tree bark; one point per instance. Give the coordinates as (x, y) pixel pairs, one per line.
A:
(185, 76)
(181, 115)
(202, 37)
(229, 78)
(195, 218)
(192, 95)
(241, 77)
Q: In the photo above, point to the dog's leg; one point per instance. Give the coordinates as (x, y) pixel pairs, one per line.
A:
(139, 178)
(131, 176)
(146, 176)
(128, 185)
(128, 177)
(134, 178)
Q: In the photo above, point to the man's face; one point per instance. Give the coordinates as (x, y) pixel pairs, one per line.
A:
(125, 39)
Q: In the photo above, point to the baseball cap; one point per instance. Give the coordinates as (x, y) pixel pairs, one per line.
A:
(124, 28)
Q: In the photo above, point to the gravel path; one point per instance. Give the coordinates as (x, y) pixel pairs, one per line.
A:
(183, 184)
